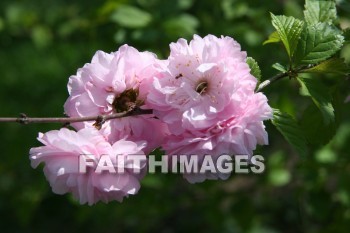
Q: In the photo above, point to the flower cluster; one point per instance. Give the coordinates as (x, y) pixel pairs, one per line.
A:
(206, 96)
(203, 102)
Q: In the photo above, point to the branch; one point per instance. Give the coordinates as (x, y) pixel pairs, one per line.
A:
(133, 111)
(99, 120)
(290, 73)
(270, 80)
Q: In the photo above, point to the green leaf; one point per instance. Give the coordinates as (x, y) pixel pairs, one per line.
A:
(41, 36)
(131, 17)
(320, 11)
(314, 128)
(291, 131)
(289, 30)
(279, 176)
(185, 4)
(279, 67)
(326, 155)
(273, 38)
(181, 26)
(318, 42)
(254, 68)
(320, 95)
(333, 65)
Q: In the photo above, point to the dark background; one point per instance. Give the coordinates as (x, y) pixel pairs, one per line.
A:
(43, 42)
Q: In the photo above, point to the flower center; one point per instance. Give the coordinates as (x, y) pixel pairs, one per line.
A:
(202, 87)
(126, 100)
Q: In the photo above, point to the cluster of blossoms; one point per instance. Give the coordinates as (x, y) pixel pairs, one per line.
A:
(202, 100)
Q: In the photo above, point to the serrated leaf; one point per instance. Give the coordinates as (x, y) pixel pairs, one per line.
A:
(320, 96)
(131, 17)
(273, 38)
(318, 42)
(289, 30)
(333, 65)
(279, 67)
(320, 11)
(314, 128)
(290, 130)
(254, 68)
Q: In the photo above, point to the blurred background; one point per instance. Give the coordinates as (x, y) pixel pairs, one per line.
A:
(43, 42)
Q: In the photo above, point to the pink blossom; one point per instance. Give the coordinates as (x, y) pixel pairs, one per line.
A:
(207, 98)
(202, 79)
(111, 83)
(61, 154)
(238, 135)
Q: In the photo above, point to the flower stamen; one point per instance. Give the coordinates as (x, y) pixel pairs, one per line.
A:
(202, 87)
(126, 100)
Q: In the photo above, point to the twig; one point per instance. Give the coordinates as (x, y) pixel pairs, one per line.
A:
(133, 111)
(99, 119)
(291, 73)
(273, 79)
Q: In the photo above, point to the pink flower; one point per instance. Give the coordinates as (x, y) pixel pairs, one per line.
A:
(238, 135)
(111, 83)
(207, 98)
(62, 153)
(202, 79)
